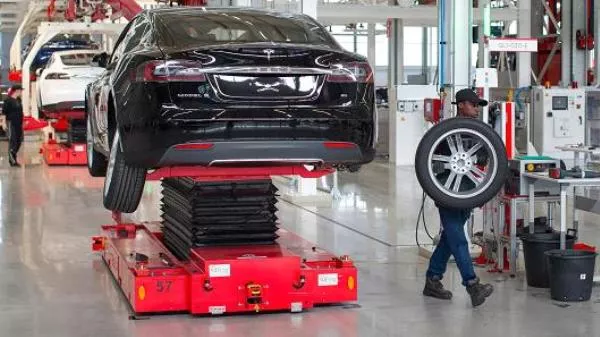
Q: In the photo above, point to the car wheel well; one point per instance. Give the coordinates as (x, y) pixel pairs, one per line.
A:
(112, 120)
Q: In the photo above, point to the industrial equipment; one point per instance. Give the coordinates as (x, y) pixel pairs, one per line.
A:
(229, 271)
(558, 119)
(592, 112)
(516, 186)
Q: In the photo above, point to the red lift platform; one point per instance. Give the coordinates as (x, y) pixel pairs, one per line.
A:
(289, 275)
(69, 151)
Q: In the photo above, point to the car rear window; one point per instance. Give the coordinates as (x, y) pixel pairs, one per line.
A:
(77, 59)
(182, 29)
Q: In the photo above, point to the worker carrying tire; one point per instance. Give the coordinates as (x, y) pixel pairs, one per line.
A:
(453, 240)
(13, 110)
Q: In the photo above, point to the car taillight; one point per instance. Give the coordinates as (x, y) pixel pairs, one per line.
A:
(58, 76)
(339, 145)
(194, 146)
(351, 72)
(170, 71)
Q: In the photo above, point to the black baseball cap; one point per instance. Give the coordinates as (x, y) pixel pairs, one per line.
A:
(468, 95)
(16, 87)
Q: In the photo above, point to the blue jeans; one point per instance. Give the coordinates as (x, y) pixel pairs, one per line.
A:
(452, 242)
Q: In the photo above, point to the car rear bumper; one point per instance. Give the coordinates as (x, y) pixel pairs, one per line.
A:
(154, 150)
(265, 152)
(62, 109)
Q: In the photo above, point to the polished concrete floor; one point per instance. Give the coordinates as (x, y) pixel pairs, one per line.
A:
(52, 285)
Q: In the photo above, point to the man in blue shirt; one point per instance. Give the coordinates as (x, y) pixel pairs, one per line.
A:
(453, 240)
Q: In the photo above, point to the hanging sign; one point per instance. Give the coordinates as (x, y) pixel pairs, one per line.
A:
(514, 45)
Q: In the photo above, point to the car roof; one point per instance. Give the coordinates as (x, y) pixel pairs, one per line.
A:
(228, 10)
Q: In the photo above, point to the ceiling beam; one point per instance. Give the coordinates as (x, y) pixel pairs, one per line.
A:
(329, 14)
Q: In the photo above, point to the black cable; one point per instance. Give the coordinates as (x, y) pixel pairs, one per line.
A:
(423, 214)
(420, 216)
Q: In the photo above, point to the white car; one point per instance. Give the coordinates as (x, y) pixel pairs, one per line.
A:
(61, 84)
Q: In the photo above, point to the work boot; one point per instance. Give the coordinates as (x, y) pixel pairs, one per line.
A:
(478, 291)
(12, 159)
(435, 288)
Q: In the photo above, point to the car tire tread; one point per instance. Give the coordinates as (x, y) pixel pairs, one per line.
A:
(126, 186)
(422, 164)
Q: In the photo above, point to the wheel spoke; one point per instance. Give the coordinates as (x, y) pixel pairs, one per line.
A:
(478, 172)
(450, 180)
(439, 157)
(457, 183)
(474, 149)
(477, 181)
(451, 144)
(459, 143)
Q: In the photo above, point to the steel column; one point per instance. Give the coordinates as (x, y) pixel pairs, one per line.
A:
(566, 34)
(596, 32)
(371, 45)
(396, 53)
(462, 21)
(395, 78)
(524, 26)
(579, 65)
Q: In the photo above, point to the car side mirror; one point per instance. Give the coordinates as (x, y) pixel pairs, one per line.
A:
(38, 72)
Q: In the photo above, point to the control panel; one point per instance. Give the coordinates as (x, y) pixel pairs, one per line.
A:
(558, 120)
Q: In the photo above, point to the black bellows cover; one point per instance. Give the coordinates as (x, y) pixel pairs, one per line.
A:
(77, 130)
(199, 214)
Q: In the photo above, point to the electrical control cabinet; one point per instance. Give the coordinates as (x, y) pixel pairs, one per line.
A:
(558, 119)
(592, 107)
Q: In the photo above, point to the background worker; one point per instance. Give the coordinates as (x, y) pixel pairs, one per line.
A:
(13, 110)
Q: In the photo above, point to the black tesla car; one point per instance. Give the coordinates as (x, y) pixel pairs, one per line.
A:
(193, 86)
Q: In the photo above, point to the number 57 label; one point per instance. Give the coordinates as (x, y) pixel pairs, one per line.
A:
(163, 286)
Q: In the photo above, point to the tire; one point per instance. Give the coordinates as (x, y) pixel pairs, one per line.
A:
(124, 184)
(96, 161)
(480, 186)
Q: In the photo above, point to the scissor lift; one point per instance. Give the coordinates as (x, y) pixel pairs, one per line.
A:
(66, 145)
(290, 274)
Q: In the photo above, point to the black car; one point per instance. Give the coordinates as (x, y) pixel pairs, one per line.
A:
(193, 86)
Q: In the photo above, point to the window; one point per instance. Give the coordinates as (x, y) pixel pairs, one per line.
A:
(207, 28)
(80, 59)
(120, 45)
(136, 33)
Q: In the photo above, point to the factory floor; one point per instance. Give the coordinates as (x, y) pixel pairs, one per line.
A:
(52, 285)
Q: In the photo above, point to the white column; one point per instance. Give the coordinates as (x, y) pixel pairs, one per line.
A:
(486, 28)
(371, 44)
(567, 38)
(462, 19)
(243, 3)
(596, 28)
(395, 78)
(524, 31)
(578, 65)
(396, 53)
(309, 7)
